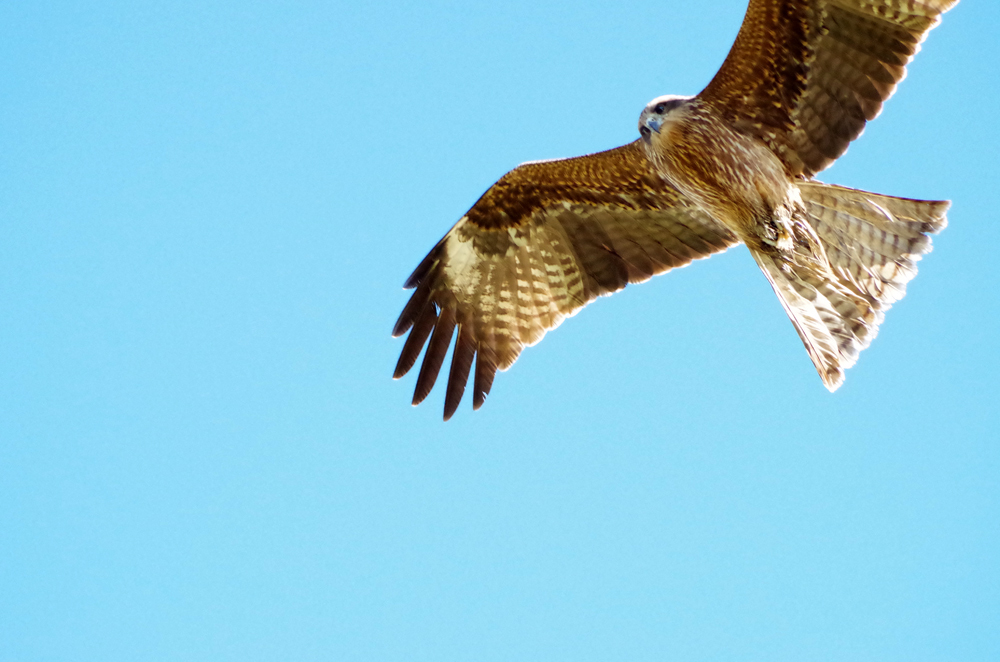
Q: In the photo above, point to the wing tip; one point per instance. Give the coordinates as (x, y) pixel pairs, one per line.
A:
(444, 328)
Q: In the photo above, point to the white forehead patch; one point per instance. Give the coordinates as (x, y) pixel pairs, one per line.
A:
(667, 98)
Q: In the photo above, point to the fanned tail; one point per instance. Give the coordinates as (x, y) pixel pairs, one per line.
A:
(871, 243)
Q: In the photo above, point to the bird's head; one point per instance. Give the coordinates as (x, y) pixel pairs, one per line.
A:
(654, 115)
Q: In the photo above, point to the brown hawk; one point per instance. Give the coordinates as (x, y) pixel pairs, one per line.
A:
(733, 164)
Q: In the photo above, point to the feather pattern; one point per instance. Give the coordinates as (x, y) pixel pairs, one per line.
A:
(805, 75)
(871, 245)
(544, 241)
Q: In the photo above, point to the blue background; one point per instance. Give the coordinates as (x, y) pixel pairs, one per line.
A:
(207, 210)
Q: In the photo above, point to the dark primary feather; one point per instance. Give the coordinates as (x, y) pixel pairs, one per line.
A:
(542, 242)
(805, 75)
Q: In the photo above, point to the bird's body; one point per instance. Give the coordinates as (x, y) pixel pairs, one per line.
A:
(734, 164)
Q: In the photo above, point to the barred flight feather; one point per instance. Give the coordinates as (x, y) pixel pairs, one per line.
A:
(506, 279)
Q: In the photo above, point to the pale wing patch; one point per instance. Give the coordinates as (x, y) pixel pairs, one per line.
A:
(505, 288)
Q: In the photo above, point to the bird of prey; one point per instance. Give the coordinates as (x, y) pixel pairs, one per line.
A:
(735, 163)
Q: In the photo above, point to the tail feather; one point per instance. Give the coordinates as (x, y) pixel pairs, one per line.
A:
(871, 244)
(872, 240)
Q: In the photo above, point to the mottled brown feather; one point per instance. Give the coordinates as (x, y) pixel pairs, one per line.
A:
(805, 75)
(541, 243)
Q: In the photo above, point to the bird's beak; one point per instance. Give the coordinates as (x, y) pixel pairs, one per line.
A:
(648, 126)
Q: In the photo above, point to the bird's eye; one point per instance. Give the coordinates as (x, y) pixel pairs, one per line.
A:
(659, 108)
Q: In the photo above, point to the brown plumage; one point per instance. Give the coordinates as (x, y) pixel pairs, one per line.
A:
(805, 75)
(541, 243)
(729, 165)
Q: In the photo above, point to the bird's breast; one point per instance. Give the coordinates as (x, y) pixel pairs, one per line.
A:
(734, 177)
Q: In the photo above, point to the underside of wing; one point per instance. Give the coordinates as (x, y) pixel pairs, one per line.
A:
(541, 243)
(805, 75)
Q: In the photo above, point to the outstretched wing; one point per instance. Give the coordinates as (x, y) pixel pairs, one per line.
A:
(805, 75)
(541, 243)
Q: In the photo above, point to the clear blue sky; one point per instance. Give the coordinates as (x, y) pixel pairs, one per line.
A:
(207, 211)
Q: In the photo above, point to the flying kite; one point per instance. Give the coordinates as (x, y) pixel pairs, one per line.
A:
(734, 164)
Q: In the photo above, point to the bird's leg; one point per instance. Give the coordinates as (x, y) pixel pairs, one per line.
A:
(777, 230)
(789, 236)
